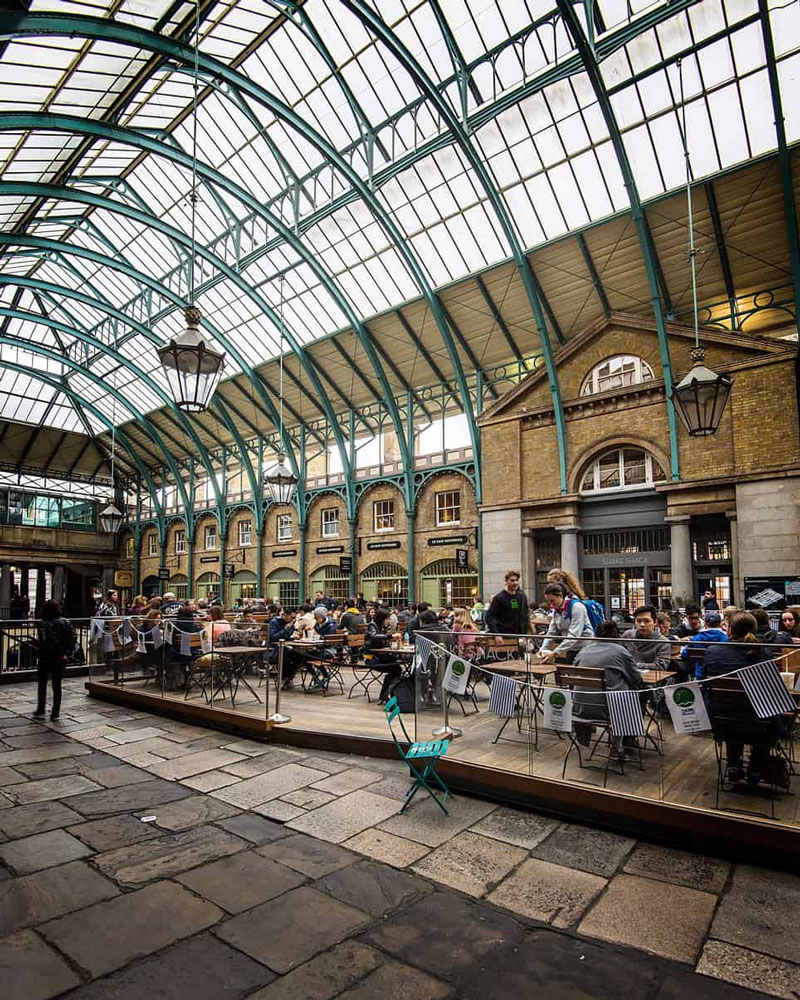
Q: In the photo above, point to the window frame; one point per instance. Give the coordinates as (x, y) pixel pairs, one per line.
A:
(212, 528)
(282, 521)
(594, 467)
(388, 513)
(152, 544)
(326, 524)
(440, 509)
(245, 537)
(180, 536)
(642, 373)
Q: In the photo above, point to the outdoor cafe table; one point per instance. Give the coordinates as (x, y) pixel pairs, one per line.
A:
(529, 694)
(239, 656)
(654, 679)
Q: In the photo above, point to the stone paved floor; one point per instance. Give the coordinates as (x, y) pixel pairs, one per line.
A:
(143, 857)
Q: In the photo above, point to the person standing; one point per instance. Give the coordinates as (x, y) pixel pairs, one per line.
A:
(569, 625)
(108, 607)
(55, 644)
(710, 601)
(508, 611)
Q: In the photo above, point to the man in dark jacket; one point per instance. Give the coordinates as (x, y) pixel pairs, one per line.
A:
(55, 644)
(508, 612)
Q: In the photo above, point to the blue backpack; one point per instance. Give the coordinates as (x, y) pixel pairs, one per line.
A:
(594, 609)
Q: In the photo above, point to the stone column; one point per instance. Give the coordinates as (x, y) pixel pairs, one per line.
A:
(5, 590)
(737, 593)
(528, 565)
(58, 585)
(681, 561)
(410, 554)
(570, 560)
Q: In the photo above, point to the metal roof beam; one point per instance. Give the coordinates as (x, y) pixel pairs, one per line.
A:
(598, 285)
(28, 445)
(62, 438)
(722, 249)
(497, 317)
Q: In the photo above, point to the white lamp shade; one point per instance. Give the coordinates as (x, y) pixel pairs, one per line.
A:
(193, 369)
(110, 519)
(280, 482)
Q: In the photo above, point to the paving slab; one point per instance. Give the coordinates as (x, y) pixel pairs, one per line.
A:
(106, 936)
(551, 965)
(346, 816)
(758, 911)
(255, 747)
(395, 981)
(200, 968)
(42, 850)
(516, 826)
(281, 936)
(44, 895)
(624, 915)
(9, 758)
(209, 781)
(113, 831)
(309, 856)
(329, 764)
(166, 856)
(8, 776)
(267, 760)
(393, 786)
(278, 810)
(427, 824)
(386, 847)
(680, 867)
(585, 847)
(446, 934)
(325, 976)
(240, 882)
(347, 781)
(36, 818)
(256, 829)
(29, 970)
(681, 983)
(119, 775)
(195, 763)
(307, 798)
(127, 798)
(471, 863)
(44, 737)
(51, 788)
(373, 888)
(194, 811)
(271, 785)
(751, 969)
(133, 735)
(551, 893)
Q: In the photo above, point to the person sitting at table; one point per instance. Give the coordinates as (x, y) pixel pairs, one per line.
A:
(324, 626)
(304, 622)
(790, 627)
(352, 621)
(694, 651)
(742, 650)
(282, 627)
(379, 637)
(464, 626)
(219, 623)
(183, 622)
(765, 633)
(245, 618)
(648, 654)
(621, 674)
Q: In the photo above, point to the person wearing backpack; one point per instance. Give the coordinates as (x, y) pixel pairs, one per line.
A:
(55, 645)
(649, 655)
(572, 588)
(569, 625)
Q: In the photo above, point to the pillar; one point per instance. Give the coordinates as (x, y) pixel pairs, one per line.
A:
(351, 526)
(529, 566)
(681, 561)
(58, 585)
(570, 560)
(301, 562)
(410, 556)
(737, 593)
(190, 537)
(5, 590)
(260, 588)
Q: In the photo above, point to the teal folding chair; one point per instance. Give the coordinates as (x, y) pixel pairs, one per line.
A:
(418, 753)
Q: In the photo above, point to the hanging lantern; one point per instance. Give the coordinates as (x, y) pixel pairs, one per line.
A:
(110, 519)
(192, 368)
(280, 482)
(700, 397)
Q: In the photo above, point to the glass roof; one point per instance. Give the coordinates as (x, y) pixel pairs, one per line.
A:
(355, 189)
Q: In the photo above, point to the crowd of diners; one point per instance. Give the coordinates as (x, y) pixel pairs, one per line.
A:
(705, 642)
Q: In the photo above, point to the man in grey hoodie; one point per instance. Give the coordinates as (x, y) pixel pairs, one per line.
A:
(648, 655)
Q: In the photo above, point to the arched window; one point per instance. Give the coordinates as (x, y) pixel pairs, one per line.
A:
(284, 585)
(243, 584)
(616, 373)
(445, 582)
(386, 582)
(622, 469)
(207, 584)
(331, 581)
(179, 585)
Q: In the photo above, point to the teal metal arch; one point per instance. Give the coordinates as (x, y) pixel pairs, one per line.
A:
(111, 390)
(589, 57)
(85, 337)
(13, 121)
(91, 408)
(380, 30)
(70, 249)
(89, 27)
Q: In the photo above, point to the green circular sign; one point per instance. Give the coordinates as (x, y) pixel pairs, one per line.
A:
(458, 668)
(683, 697)
(557, 699)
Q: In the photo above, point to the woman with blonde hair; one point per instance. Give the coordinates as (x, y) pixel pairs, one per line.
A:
(462, 622)
(567, 580)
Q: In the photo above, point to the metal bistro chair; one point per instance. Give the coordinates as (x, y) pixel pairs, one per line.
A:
(418, 753)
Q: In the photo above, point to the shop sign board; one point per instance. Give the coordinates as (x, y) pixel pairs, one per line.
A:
(209, 559)
(278, 553)
(123, 578)
(462, 558)
(230, 569)
(326, 549)
(383, 545)
(345, 564)
(448, 540)
(163, 573)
